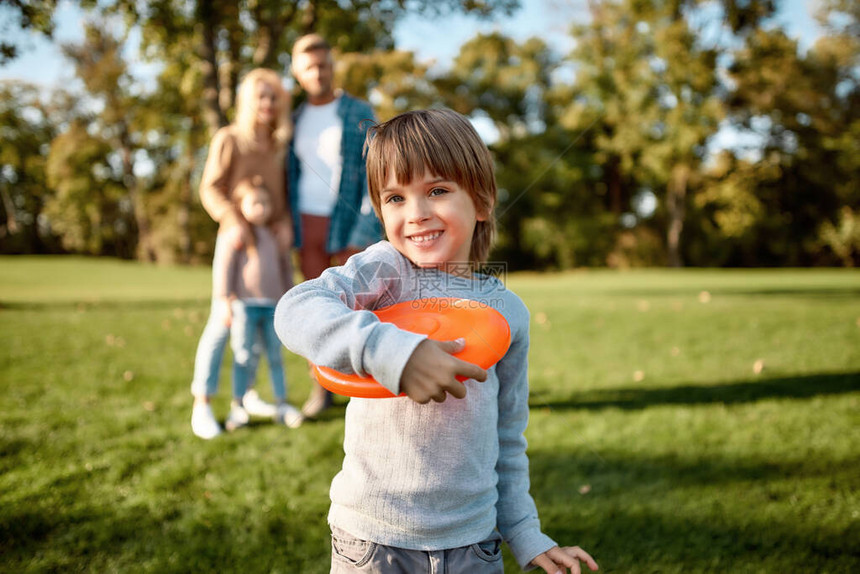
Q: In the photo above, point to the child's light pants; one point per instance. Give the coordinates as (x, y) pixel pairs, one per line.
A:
(349, 555)
(213, 341)
(249, 320)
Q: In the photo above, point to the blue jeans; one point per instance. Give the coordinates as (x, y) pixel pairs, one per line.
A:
(210, 353)
(351, 555)
(213, 341)
(249, 321)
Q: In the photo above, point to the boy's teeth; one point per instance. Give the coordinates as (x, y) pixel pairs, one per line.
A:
(428, 237)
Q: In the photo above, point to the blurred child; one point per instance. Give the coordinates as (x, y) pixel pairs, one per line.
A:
(425, 485)
(249, 281)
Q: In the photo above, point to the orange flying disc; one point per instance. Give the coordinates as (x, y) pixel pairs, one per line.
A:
(485, 330)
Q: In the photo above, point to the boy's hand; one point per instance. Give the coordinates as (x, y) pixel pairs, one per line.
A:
(431, 372)
(557, 560)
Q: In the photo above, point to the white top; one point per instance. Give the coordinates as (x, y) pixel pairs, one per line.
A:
(318, 136)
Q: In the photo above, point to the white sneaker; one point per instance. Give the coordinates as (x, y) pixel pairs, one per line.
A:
(237, 418)
(203, 422)
(257, 407)
(290, 416)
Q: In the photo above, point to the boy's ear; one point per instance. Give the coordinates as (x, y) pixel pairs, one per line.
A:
(485, 214)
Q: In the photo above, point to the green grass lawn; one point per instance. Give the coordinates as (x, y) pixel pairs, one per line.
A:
(682, 421)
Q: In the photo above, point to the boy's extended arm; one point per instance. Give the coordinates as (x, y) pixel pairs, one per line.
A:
(328, 320)
(516, 511)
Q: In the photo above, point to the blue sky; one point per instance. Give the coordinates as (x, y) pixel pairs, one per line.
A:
(431, 40)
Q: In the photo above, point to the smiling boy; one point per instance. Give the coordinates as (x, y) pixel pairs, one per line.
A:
(427, 484)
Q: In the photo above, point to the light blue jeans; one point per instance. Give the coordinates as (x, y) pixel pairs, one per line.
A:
(350, 555)
(249, 321)
(210, 354)
(213, 341)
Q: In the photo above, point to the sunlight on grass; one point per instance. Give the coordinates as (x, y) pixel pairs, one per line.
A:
(670, 431)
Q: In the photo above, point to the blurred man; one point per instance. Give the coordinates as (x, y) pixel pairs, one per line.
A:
(327, 179)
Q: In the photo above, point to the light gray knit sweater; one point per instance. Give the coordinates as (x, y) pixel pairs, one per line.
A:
(425, 477)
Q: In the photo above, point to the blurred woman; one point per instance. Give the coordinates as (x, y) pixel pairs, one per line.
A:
(253, 146)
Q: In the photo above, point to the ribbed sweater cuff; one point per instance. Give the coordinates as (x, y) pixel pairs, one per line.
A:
(386, 353)
(528, 545)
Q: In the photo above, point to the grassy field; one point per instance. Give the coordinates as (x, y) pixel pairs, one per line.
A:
(682, 421)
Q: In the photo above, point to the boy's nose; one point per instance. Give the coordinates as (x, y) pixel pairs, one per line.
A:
(418, 211)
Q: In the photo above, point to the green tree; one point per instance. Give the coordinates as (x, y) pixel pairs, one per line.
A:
(505, 81)
(805, 108)
(200, 49)
(648, 85)
(89, 208)
(231, 36)
(99, 63)
(26, 130)
(545, 208)
(26, 15)
(393, 81)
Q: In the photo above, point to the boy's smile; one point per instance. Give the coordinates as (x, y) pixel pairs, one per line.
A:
(430, 220)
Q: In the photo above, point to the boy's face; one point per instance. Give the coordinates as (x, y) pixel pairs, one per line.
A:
(431, 221)
(256, 207)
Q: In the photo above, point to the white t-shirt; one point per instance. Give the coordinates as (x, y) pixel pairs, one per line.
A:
(318, 136)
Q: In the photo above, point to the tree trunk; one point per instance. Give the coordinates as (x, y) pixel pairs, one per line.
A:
(676, 200)
(230, 68)
(309, 18)
(11, 226)
(145, 249)
(183, 214)
(613, 184)
(212, 113)
(271, 26)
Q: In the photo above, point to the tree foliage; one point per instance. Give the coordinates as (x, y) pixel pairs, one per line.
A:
(806, 109)
(26, 132)
(25, 15)
(604, 156)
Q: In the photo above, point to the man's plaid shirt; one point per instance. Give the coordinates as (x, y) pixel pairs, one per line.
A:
(353, 223)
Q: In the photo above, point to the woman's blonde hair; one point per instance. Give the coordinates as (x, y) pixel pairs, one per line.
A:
(444, 143)
(246, 110)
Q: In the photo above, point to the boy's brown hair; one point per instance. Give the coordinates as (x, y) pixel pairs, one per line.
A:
(445, 143)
